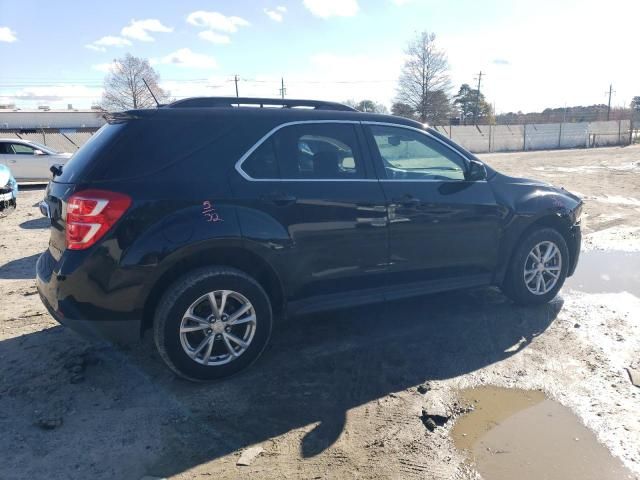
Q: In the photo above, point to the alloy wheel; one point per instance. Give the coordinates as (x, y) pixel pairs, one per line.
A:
(218, 327)
(542, 268)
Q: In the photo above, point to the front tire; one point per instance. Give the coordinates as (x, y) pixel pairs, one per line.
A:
(211, 323)
(538, 268)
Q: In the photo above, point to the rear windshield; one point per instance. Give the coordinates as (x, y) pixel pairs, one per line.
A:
(79, 164)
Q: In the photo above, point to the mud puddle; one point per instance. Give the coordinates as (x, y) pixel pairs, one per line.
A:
(607, 272)
(522, 434)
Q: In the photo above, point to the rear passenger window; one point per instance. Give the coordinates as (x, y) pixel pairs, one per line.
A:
(262, 162)
(322, 151)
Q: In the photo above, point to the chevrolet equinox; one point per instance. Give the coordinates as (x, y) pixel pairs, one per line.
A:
(206, 219)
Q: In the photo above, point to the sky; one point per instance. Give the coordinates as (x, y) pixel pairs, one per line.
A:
(532, 54)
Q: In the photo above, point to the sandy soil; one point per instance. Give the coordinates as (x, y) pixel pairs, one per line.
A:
(338, 395)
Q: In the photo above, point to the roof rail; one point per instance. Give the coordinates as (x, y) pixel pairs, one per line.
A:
(230, 102)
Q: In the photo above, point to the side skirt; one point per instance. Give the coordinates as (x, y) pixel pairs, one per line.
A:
(373, 295)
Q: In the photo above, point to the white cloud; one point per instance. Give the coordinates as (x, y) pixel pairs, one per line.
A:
(108, 41)
(216, 21)
(139, 29)
(213, 37)
(332, 8)
(184, 57)
(206, 87)
(276, 14)
(7, 35)
(105, 67)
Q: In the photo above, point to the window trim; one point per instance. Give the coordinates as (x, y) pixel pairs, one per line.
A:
(265, 137)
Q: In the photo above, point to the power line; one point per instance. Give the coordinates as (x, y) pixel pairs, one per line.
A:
(475, 110)
(609, 104)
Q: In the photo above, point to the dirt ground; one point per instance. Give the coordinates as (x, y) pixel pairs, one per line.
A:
(337, 395)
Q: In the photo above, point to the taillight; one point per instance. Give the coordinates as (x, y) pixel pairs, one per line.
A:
(90, 214)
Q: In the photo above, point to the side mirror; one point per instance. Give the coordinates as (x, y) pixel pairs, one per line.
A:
(38, 152)
(476, 171)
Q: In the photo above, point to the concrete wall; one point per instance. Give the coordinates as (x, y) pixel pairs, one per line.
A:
(542, 136)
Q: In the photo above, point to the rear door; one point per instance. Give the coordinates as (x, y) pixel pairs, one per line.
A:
(310, 202)
(442, 226)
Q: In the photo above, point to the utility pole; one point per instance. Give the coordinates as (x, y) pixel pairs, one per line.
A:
(609, 105)
(475, 111)
(235, 79)
(282, 89)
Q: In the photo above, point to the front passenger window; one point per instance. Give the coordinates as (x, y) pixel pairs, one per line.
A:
(411, 155)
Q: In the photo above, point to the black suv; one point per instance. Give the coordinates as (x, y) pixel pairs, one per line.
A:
(207, 218)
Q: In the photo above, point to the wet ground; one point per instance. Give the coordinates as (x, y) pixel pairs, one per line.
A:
(607, 271)
(345, 394)
(507, 425)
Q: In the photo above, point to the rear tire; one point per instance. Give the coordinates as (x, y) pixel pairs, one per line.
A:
(538, 268)
(212, 323)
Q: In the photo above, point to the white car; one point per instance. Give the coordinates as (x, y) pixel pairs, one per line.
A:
(29, 161)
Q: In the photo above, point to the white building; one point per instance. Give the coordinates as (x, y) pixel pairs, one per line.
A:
(11, 118)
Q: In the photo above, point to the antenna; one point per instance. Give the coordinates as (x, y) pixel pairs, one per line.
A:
(151, 92)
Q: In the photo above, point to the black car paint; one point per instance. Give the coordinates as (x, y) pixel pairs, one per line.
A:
(319, 244)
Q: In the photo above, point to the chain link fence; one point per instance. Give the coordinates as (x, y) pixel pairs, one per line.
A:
(541, 136)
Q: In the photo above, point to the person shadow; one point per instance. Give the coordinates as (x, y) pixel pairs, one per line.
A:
(315, 369)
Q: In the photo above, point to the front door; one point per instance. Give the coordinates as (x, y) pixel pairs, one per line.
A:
(309, 199)
(442, 226)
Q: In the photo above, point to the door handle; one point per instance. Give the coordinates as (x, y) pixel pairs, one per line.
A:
(407, 201)
(279, 199)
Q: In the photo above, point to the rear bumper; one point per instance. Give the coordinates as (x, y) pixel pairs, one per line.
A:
(116, 331)
(575, 243)
(87, 319)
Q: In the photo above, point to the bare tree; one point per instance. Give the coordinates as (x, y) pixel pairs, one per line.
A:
(124, 87)
(425, 79)
(367, 106)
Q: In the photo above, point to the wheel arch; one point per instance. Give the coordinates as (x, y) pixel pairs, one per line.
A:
(555, 221)
(236, 257)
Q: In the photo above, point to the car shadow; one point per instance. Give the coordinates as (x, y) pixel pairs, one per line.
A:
(36, 223)
(19, 269)
(315, 370)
